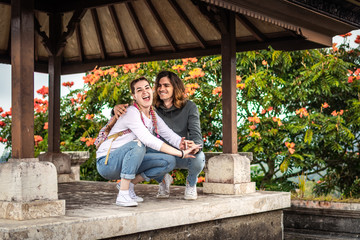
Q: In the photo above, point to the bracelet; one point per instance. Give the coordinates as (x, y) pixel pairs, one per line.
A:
(182, 154)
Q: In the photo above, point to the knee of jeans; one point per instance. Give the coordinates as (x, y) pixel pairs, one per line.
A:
(199, 161)
(139, 147)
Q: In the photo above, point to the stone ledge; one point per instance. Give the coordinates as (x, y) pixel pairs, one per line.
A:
(228, 188)
(31, 210)
(92, 213)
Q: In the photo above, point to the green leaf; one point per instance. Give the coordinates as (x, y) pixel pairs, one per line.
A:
(308, 136)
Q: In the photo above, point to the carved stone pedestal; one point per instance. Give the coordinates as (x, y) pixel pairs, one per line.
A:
(228, 174)
(29, 190)
(62, 163)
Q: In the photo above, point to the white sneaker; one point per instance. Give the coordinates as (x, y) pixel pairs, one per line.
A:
(125, 200)
(131, 192)
(190, 192)
(164, 187)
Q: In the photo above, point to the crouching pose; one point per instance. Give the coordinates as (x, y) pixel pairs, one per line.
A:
(123, 154)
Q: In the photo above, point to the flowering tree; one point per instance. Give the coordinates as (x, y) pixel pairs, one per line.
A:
(297, 111)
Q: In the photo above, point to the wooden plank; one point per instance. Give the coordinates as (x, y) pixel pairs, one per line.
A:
(79, 43)
(55, 31)
(138, 26)
(119, 31)
(162, 25)
(188, 23)
(229, 104)
(251, 28)
(98, 33)
(44, 38)
(22, 78)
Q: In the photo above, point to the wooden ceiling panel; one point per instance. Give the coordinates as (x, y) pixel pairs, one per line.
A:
(265, 27)
(241, 30)
(89, 37)
(151, 28)
(43, 19)
(112, 42)
(202, 25)
(178, 30)
(5, 16)
(131, 34)
(71, 51)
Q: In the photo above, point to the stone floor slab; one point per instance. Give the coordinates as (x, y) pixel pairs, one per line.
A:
(91, 212)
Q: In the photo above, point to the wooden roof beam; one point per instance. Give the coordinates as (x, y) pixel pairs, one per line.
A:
(119, 31)
(44, 38)
(138, 26)
(162, 26)
(79, 43)
(188, 23)
(98, 32)
(251, 28)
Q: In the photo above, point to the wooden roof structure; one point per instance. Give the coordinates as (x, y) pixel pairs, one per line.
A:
(71, 36)
(109, 32)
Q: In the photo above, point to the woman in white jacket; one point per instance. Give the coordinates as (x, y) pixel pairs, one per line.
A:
(122, 153)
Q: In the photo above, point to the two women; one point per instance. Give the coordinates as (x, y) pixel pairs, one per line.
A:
(123, 154)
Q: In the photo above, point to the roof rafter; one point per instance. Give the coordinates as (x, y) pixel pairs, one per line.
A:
(251, 28)
(138, 26)
(162, 26)
(44, 38)
(98, 32)
(79, 43)
(119, 31)
(188, 23)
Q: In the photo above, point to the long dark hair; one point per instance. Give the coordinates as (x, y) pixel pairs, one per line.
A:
(179, 98)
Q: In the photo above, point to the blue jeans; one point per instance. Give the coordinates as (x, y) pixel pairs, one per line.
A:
(193, 165)
(123, 162)
(155, 165)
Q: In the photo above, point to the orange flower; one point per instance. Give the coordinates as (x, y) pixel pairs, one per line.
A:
(325, 105)
(131, 67)
(357, 40)
(264, 62)
(291, 147)
(46, 126)
(238, 79)
(83, 139)
(263, 111)
(89, 116)
(341, 112)
(217, 90)
(4, 140)
(2, 124)
(37, 139)
(302, 112)
(201, 179)
(240, 85)
(196, 72)
(179, 68)
(346, 34)
(350, 79)
(68, 84)
(334, 47)
(1, 109)
(334, 113)
(252, 127)
(43, 91)
(291, 150)
(186, 60)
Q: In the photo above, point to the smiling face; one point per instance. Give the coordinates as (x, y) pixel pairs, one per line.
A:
(143, 94)
(165, 90)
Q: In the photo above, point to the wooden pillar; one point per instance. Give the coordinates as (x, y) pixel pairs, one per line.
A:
(55, 30)
(22, 78)
(229, 105)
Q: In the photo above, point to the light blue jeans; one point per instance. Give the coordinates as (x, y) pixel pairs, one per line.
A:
(155, 165)
(193, 165)
(123, 162)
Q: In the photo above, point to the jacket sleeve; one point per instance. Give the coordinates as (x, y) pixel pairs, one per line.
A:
(193, 125)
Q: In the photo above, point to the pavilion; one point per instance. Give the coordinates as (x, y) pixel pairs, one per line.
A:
(72, 36)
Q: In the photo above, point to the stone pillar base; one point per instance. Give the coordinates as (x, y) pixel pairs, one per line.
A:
(28, 189)
(228, 174)
(31, 210)
(228, 188)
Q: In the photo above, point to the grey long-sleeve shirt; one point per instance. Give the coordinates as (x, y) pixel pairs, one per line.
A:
(185, 121)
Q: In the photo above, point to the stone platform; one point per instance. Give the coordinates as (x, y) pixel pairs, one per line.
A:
(91, 213)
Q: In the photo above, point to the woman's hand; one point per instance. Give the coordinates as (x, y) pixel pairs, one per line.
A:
(120, 110)
(189, 153)
(185, 144)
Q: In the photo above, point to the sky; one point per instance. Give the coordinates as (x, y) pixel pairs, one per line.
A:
(41, 79)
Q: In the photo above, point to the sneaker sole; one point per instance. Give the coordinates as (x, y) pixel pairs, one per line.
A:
(133, 204)
(162, 196)
(139, 200)
(190, 198)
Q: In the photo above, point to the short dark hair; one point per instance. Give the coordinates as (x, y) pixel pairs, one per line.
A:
(133, 82)
(179, 98)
